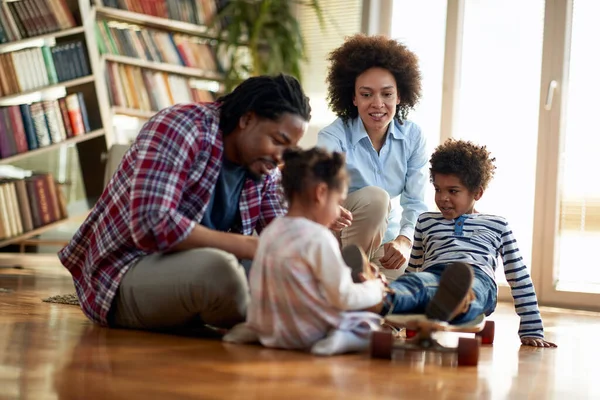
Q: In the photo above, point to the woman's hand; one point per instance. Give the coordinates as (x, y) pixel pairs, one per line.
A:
(395, 253)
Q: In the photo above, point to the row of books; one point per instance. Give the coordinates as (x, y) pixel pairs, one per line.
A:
(154, 45)
(147, 90)
(30, 203)
(199, 12)
(30, 126)
(27, 18)
(37, 67)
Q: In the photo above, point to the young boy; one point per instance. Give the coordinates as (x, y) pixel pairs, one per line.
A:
(450, 275)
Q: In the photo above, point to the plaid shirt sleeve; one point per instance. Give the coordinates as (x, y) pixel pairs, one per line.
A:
(273, 202)
(165, 157)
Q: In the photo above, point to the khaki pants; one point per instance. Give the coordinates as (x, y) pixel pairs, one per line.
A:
(182, 290)
(370, 207)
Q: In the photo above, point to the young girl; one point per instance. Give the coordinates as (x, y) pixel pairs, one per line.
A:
(302, 292)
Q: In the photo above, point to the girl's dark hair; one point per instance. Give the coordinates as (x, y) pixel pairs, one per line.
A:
(472, 164)
(360, 53)
(266, 96)
(303, 168)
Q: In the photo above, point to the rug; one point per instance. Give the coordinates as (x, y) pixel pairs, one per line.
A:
(70, 299)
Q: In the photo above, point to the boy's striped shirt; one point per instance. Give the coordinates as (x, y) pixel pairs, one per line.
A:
(478, 240)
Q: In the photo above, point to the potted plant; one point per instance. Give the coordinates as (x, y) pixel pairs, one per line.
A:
(261, 37)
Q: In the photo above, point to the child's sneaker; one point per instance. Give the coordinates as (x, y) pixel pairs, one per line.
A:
(454, 294)
(357, 260)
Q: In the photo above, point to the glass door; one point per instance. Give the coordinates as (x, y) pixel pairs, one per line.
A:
(567, 218)
(522, 78)
(498, 83)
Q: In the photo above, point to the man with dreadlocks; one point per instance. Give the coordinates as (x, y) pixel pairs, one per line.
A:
(160, 249)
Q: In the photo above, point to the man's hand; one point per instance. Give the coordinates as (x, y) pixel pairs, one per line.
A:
(344, 221)
(536, 342)
(395, 253)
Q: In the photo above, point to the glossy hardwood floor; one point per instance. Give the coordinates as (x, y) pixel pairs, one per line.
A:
(50, 351)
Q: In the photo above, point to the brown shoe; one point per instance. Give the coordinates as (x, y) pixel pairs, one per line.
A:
(454, 294)
(464, 307)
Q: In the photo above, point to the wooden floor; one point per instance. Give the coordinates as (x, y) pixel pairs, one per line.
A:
(50, 351)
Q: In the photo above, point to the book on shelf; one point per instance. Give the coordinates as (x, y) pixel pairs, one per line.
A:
(198, 12)
(27, 18)
(30, 126)
(29, 203)
(44, 55)
(148, 90)
(37, 67)
(118, 38)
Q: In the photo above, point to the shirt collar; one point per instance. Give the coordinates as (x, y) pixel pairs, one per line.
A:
(396, 130)
(359, 132)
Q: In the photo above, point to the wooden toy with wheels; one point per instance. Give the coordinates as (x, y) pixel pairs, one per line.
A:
(419, 337)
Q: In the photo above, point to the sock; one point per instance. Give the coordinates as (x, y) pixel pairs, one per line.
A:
(338, 342)
(241, 334)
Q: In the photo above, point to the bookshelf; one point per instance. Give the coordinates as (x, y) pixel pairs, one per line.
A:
(153, 61)
(30, 234)
(153, 21)
(50, 99)
(74, 140)
(21, 97)
(17, 44)
(132, 112)
(166, 67)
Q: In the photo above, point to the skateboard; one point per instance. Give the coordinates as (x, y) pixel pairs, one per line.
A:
(419, 337)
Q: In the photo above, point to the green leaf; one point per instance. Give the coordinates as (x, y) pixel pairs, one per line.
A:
(270, 32)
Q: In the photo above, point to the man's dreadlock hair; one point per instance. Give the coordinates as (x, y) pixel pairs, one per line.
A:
(266, 96)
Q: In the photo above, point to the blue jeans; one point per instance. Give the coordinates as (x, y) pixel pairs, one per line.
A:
(413, 291)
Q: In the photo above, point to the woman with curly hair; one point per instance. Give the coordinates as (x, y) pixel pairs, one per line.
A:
(373, 83)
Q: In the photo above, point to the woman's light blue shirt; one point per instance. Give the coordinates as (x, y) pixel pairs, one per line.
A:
(399, 168)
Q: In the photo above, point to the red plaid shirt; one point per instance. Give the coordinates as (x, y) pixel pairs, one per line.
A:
(155, 198)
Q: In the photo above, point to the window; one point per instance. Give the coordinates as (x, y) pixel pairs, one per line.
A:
(499, 103)
(342, 19)
(421, 26)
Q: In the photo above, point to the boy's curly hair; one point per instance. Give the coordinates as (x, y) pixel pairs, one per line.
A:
(303, 168)
(360, 53)
(472, 164)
